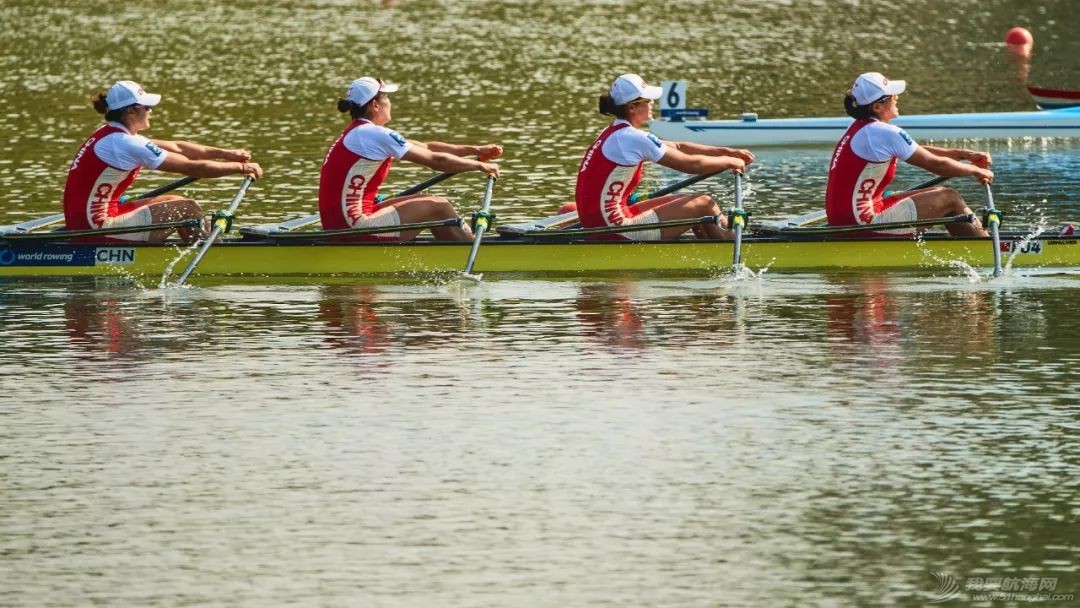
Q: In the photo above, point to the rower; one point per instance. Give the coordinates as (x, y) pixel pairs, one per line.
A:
(613, 166)
(359, 160)
(108, 162)
(864, 164)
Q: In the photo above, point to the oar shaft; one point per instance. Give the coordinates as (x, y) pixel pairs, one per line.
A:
(180, 183)
(693, 179)
(993, 219)
(929, 183)
(738, 220)
(424, 185)
(481, 225)
(219, 227)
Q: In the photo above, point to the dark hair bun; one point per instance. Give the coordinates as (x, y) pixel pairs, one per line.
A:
(99, 103)
(607, 104)
(344, 105)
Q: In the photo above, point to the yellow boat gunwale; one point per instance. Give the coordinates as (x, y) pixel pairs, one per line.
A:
(505, 255)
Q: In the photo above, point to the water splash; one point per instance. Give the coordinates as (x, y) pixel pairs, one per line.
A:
(963, 269)
(181, 253)
(1040, 227)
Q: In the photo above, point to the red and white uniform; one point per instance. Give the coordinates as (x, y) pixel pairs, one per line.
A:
(103, 169)
(609, 172)
(354, 168)
(863, 164)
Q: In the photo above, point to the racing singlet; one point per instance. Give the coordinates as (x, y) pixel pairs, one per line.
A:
(348, 183)
(853, 194)
(93, 188)
(604, 187)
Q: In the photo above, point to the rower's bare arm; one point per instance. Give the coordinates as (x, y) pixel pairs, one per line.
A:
(176, 162)
(694, 148)
(947, 167)
(484, 152)
(699, 163)
(447, 163)
(980, 159)
(196, 151)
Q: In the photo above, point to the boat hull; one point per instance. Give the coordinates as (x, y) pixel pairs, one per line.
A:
(1050, 99)
(243, 258)
(795, 131)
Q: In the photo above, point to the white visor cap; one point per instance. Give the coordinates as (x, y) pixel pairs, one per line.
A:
(629, 87)
(363, 90)
(872, 86)
(126, 93)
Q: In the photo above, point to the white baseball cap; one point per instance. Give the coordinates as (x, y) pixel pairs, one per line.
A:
(629, 87)
(872, 86)
(126, 93)
(363, 90)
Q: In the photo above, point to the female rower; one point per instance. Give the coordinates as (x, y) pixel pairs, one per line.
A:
(613, 165)
(360, 159)
(864, 163)
(108, 162)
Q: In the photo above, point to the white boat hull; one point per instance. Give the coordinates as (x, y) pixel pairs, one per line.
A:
(827, 131)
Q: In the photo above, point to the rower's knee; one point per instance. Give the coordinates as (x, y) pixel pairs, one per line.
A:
(703, 205)
(954, 201)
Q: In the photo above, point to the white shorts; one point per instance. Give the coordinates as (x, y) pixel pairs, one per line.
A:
(903, 211)
(136, 217)
(387, 216)
(652, 234)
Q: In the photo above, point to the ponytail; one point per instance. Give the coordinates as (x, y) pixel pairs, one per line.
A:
(609, 107)
(856, 111)
(102, 107)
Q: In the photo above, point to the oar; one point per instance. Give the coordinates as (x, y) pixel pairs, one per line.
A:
(818, 215)
(574, 232)
(783, 230)
(555, 221)
(690, 181)
(738, 218)
(993, 219)
(64, 235)
(49, 220)
(220, 224)
(307, 220)
(180, 183)
(483, 220)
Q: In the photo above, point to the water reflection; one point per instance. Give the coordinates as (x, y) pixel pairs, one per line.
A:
(96, 325)
(349, 316)
(609, 316)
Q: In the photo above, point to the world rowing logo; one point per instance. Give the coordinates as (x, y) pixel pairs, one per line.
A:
(948, 588)
(7, 256)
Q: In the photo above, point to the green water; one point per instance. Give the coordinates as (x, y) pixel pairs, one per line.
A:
(796, 439)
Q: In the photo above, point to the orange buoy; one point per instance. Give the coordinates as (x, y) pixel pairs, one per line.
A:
(568, 207)
(1019, 36)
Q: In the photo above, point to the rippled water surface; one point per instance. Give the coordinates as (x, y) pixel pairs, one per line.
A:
(792, 439)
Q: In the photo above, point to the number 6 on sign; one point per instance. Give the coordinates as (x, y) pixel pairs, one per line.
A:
(674, 97)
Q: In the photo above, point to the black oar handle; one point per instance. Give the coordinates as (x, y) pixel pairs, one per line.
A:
(180, 183)
(930, 183)
(680, 185)
(424, 185)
